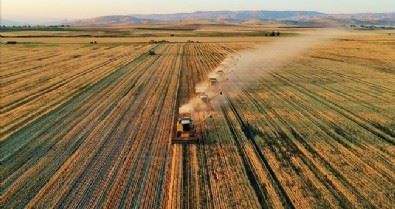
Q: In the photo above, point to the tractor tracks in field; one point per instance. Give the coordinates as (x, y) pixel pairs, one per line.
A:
(305, 110)
(384, 135)
(252, 176)
(284, 141)
(57, 118)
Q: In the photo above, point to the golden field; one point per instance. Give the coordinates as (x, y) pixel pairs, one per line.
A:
(90, 125)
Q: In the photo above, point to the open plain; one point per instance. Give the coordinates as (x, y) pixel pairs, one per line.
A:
(90, 125)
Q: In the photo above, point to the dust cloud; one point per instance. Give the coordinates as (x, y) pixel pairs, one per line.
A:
(251, 65)
(194, 105)
(245, 68)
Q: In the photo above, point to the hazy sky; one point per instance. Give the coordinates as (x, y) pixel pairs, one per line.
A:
(62, 9)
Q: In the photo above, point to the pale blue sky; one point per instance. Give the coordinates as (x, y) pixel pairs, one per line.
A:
(61, 9)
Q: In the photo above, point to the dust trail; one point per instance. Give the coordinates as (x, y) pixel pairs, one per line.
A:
(194, 105)
(253, 64)
(245, 68)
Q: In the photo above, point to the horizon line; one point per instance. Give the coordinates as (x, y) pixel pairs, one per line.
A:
(55, 19)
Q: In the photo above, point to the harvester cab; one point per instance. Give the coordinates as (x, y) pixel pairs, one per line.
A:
(204, 97)
(212, 80)
(185, 130)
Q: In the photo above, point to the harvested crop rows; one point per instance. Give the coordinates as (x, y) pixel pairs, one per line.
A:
(33, 86)
(96, 132)
(318, 134)
(204, 176)
(90, 126)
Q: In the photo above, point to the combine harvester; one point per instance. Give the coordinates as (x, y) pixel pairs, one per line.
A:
(213, 81)
(185, 130)
(204, 97)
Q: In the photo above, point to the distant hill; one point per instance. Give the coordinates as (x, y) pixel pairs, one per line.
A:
(368, 18)
(211, 16)
(233, 15)
(116, 19)
(288, 17)
(304, 18)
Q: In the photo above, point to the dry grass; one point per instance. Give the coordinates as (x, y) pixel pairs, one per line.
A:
(90, 126)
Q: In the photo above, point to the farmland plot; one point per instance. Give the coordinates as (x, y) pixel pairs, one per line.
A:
(206, 177)
(318, 134)
(91, 127)
(35, 83)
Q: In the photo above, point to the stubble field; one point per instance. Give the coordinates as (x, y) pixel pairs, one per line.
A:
(90, 126)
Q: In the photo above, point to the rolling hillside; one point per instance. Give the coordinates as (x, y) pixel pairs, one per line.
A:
(289, 17)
